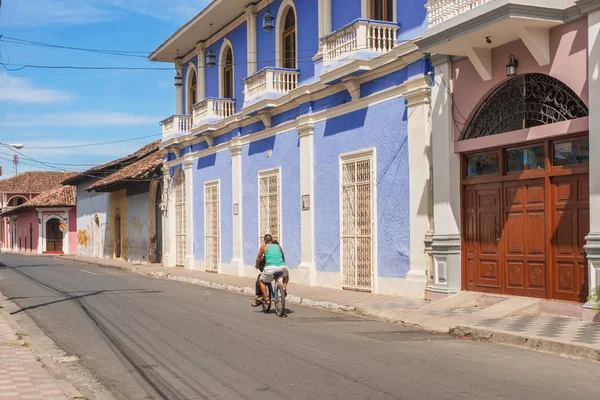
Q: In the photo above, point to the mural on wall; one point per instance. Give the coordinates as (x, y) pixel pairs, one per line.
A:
(82, 238)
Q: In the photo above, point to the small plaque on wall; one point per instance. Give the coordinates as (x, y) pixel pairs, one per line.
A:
(305, 202)
(236, 209)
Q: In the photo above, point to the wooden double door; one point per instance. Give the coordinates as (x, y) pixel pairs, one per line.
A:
(54, 237)
(526, 237)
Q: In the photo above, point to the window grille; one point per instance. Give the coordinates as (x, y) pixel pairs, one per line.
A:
(212, 226)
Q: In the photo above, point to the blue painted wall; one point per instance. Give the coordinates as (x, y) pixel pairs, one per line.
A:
(138, 242)
(210, 168)
(354, 132)
(343, 12)
(286, 155)
(412, 17)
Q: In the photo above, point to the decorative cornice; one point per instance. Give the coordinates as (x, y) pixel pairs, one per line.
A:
(588, 6)
(418, 91)
(188, 164)
(306, 126)
(439, 59)
(235, 147)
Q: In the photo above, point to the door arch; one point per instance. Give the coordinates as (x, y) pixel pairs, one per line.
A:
(525, 207)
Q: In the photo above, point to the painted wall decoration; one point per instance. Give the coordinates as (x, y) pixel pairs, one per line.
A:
(82, 238)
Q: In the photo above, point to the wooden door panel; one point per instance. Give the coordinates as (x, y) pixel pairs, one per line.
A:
(570, 225)
(489, 272)
(523, 238)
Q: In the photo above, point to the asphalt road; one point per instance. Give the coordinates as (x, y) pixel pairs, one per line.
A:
(151, 339)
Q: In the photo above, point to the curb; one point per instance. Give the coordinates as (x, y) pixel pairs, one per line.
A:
(529, 342)
(327, 305)
(96, 263)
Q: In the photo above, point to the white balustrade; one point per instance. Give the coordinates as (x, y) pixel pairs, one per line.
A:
(361, 35)
(212, 109)
(176, 125)
(272, 81)
(442, 10)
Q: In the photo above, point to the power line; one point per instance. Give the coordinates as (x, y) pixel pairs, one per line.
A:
(93, 144)
(8, 39)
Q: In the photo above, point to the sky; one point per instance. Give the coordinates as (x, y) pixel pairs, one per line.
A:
(52, 110)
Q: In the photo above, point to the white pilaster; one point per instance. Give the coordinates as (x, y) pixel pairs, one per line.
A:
(189, 213)
(251, 38)
(236, 195)
(446, 181)
(178, 89)
(418, 97)
(593, 239)
(169, 242)
(307, 198)
(201, 73)
(41, 246)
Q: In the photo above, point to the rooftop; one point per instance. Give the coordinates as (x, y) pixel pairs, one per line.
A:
(33, 181)
(111, 167)
(60, 196)
(139, 171)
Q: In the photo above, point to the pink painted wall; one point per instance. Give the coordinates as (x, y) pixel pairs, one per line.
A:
(23, 221)
(568, 63)
(73, 231)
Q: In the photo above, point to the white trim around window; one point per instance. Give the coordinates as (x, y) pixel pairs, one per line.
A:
(221, 65)
(274, 172)
(279, 29)
(365, 8)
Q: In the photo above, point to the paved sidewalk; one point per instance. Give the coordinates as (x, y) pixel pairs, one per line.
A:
(517, 321)
(22, 376)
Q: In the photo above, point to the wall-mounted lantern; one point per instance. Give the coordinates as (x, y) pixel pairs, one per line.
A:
(178, 79)
(511, 67)
(211, 59)
(268, 22)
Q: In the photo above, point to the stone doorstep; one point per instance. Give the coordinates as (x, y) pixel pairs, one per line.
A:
(449, 314)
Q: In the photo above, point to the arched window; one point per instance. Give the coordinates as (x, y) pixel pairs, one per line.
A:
(382, 10)
(288, 40)
(16, 201)
(192, 91)
(228, 74)
(523, 102)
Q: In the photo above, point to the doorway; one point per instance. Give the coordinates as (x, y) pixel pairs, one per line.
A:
(118, 235)
(525, 218)
(54, 237)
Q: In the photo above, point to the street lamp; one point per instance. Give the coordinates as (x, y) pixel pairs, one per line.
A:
(17, 146)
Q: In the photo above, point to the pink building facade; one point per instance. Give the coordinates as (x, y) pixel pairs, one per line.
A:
(516, 147)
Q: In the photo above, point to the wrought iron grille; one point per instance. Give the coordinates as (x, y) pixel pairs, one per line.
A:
(212, 226)
(357, 225)
(523, 102)
(269, 205)
(180, 218)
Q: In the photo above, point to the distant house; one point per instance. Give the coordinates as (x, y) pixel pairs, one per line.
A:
(18, 190)
(119, 212)
(46, 224)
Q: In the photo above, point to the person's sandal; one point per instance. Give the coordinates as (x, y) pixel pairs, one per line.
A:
(257, 302)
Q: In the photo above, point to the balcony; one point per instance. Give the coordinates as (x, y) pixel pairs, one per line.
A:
(359, 41)
(211, 110)
(473, 28)
(176, 125)
(268, 84)
(443, 10)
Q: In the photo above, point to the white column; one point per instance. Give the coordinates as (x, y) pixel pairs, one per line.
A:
(41, 243)
(178, 89)
(201, 72)
(324, 20)
(236, 201)
(446, 181)
(251, 37)
(189, 213)
(307, 201)
(593, 239)
(169, 242)
(419, 146)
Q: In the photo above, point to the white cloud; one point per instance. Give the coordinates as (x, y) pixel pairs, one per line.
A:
(83, 119)
(14, 89)
(31, 13)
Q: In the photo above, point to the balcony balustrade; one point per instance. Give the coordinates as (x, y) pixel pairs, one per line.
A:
(443, 10)
(361, 39)
(269, 83)
(212, 109)
(176, 125)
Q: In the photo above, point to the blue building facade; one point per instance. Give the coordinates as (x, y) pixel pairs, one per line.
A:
(313, 128)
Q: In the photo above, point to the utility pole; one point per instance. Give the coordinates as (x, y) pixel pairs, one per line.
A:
(15, 163)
